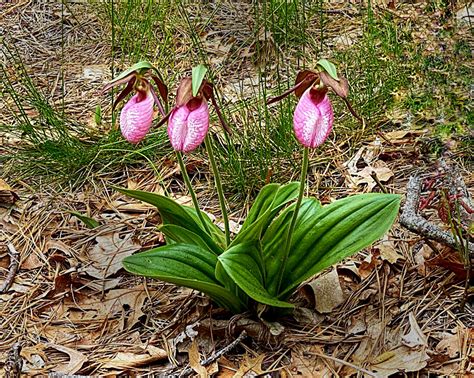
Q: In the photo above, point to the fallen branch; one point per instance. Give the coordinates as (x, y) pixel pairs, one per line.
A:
(12, 269)
(14, 362)
(412, 220)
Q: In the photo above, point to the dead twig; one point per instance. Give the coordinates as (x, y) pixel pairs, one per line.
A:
(412, 220)
(12, 269)
(14, 362)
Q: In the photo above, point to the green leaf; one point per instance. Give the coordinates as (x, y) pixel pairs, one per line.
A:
(198, 74)
(243, 263)
(329, 67)
(216, 233)
(274, 239)
(137, 67)
(271, 199)
(185, 265)
(183, 216)
(340, 229)
(89, 222)
(178, 234)
(229, 283)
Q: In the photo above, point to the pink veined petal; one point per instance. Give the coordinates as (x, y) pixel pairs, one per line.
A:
(136, 118)
(198, 125)
(312, 121)
(187, 129)
(178, 127)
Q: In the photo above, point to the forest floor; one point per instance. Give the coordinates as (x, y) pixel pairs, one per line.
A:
(394, 308)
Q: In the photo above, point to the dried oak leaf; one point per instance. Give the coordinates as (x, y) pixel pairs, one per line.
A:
(410, 356)
(195, 360)
(128, 360)
(250, 367)
(76, 360)
(107, 254)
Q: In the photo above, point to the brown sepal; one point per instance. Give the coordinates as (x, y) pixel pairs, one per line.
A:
(125, 92)
(208, 93)
(165, 118)
(162, 88)
(341, 87)
(303, 81)
(157, 101)
(184, 92)
(126, 79)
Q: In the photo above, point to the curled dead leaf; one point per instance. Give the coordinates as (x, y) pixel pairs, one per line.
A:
(325, 292)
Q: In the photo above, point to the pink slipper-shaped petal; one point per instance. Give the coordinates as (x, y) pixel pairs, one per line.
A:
(313, 119)
(136, 117)
(198, 124)
(188, 128)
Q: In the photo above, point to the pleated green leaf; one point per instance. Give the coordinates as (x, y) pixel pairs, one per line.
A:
(185, 265)
(340, 229)
(244, 264)
(271, 199)
(274, 239)
(183, 216)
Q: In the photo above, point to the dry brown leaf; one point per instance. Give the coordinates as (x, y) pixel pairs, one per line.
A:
(127, 360)
(133, 298)
(107, 255)
(195, 360)
(409, 357)
(183, 200)
(305, 364)
(7, 195)
(415, 337)
(451, 344)
(113, 304)
(380, 168)
(133, 207)
(251, 366)
(325, 292)
(398, 135)
(58, 245)
(388, 251)
(76, 359)
(420, 258)
(31, 262)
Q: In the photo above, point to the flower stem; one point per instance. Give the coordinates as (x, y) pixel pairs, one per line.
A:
(220, 192)
(289, 236)
(187, 181)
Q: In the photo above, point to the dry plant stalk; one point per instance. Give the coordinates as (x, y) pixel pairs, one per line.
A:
(13, 268)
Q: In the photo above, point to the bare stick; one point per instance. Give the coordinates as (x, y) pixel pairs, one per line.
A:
(416, 223)
(14, 362)
(12, 269)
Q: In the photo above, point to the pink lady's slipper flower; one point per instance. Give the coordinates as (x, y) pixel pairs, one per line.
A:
(313, 118)
(136, 116)
(188, 121)
(188, 125)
